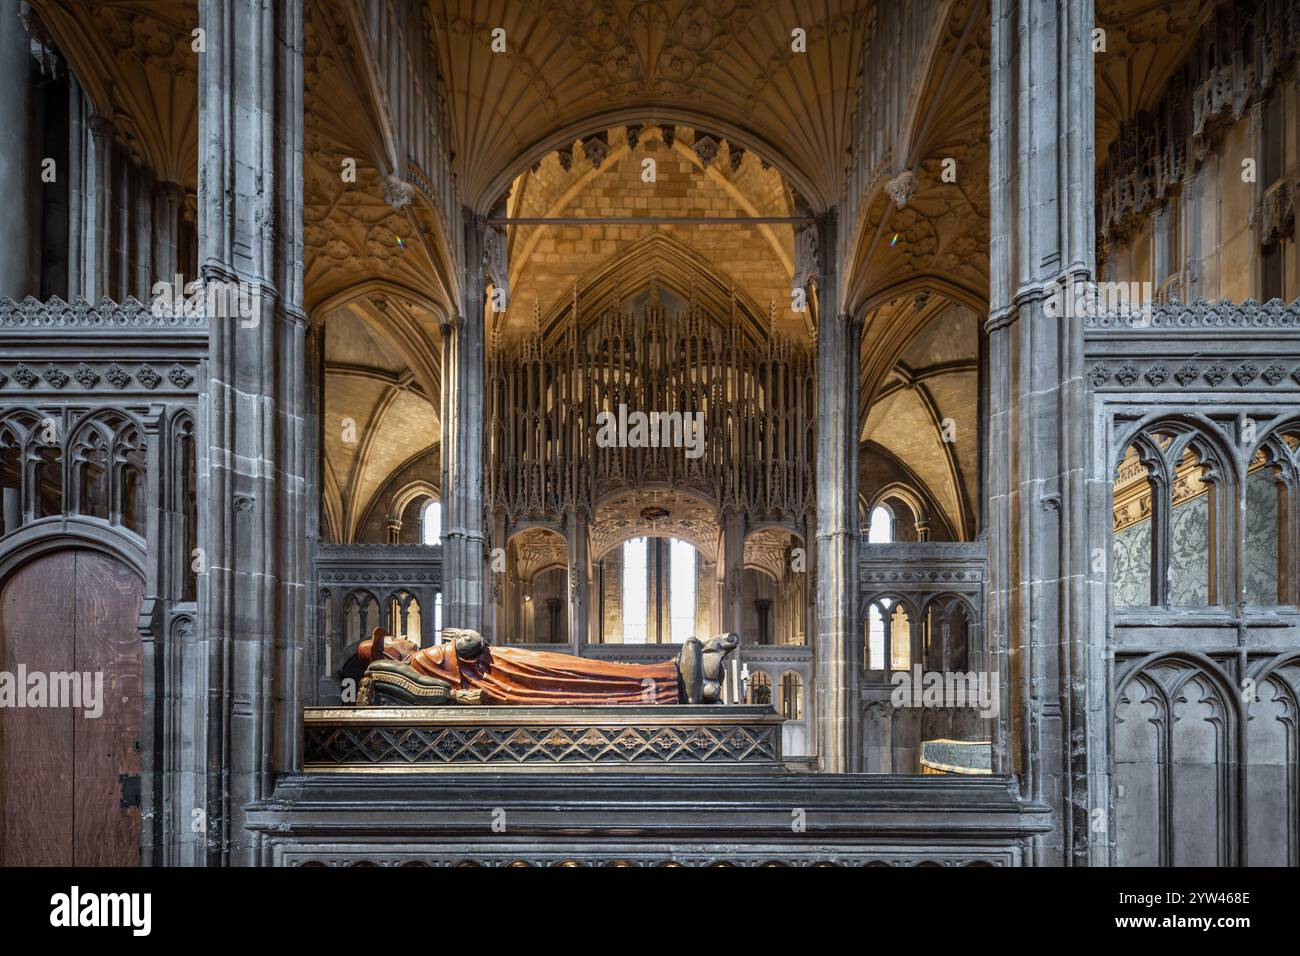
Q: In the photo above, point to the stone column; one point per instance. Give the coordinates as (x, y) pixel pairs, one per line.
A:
(733, 573)
(145, 235)
(837, 641)
(166, 216)
(1042, 225)
(81, 197)
(834, 695)
(254, 522)
(579, 582)
(462, 444)
(19, 239)
(99, 220)
(120, 269)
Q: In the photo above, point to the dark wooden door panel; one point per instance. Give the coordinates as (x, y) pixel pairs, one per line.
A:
(37, 627)
(60, 792)
(108, 602)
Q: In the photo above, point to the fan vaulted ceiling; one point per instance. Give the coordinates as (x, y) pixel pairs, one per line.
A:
(574, 66)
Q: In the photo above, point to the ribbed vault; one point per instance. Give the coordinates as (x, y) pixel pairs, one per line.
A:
(575, 66)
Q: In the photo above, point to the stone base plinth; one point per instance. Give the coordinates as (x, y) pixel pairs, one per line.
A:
(726, 738)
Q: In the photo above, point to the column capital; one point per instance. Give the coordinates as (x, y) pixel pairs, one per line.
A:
(100, 126)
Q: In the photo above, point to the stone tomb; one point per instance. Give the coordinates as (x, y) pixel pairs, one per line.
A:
(740, 737)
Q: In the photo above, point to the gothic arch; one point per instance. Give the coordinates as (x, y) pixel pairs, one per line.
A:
(1190, 660)
(1188, 429)
(35, 540)
(662, 259)
(920, 508)
(599, 122)
(409, 492)
(1177, 773)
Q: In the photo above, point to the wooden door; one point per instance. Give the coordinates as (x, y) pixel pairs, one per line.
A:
(60, 786)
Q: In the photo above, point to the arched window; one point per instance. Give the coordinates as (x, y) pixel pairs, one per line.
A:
(1131, 535)
(1191, 557)
(1170, 528)
(681, 594)
(876, 635)
(657, 590)
(1271, 575)
(431, 522)
(635, 587)
(758, 688)
(881, 525)
(880, 530)
(889, 636)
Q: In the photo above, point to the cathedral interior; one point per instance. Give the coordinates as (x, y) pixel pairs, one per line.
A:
(973, 329)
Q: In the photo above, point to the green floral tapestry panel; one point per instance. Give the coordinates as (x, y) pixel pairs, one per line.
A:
(1189, 554)
(1131, 565)
(1261, 538)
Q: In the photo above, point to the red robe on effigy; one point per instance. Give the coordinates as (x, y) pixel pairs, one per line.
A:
(514, 675)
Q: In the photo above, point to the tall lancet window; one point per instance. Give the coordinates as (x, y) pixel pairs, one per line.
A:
(431, 523)
(879, 531)
(635, 586)
(681, 593)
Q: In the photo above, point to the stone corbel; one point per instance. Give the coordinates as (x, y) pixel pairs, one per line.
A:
(596, 148)
(901, 188)
(101, 127)
(706, 147)
(398, 193)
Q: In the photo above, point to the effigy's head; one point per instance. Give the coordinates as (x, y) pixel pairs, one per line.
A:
(469, 644)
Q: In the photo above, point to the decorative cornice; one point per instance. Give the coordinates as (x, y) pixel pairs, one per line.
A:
(31, 313)
(1213, 373)
(1201, 314)
(95, 375)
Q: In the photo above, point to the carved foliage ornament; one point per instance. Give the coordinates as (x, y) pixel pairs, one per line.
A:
(1214, 374)
(32, 313)
(1201, 314)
